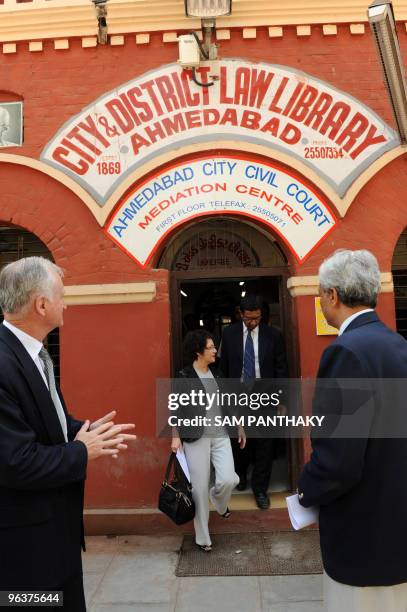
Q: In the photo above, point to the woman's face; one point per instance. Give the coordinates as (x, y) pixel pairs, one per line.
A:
(209, 352)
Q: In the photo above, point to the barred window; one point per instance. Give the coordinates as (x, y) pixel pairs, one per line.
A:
(16, 243)
(399, 269)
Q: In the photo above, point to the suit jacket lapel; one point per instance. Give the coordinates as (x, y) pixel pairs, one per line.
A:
(263, 342)
(42, 397)
(239, 343)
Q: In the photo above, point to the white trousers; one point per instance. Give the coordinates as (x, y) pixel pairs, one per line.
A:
(345, 598)
(200, 454)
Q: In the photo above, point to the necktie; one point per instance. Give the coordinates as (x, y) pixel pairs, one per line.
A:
(49, 375)
(249, 369)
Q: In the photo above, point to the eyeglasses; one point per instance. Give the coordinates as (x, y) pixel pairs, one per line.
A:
(248, 319)
(210, 348)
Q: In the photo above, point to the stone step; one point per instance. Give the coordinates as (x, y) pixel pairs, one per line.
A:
(150, 521)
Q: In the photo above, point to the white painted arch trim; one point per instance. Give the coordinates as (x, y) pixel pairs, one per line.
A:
(219, 145)
(101, 214)
(341, 204)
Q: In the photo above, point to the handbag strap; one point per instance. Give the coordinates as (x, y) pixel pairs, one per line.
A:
(169, 466)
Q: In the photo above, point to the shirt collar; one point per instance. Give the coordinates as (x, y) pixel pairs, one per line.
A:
(352, 317)
(255, 331)
(31, 345)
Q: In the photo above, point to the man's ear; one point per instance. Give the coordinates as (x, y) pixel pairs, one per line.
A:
(40, 305)
(334, 297)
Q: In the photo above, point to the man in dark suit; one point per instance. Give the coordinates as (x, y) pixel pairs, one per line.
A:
(252, 350)
(358, 477)
(44, 451)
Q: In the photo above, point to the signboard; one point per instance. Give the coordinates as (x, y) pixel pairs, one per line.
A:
(11, 124)
(270, 105)
(208, 250)
(220, 185)
(322, 325)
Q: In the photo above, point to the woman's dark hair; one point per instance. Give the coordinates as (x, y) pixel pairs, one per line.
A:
(195, 342)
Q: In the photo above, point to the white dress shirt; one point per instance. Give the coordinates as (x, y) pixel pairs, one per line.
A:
(255, 337)
(352, 317)
(33, 347)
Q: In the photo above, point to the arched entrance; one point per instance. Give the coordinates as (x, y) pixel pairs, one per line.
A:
(16, 243)
(212, 264)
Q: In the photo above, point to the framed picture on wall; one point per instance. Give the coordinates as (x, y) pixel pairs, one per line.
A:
(11, 124)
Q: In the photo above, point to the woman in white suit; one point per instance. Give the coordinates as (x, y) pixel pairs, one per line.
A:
(205, 445)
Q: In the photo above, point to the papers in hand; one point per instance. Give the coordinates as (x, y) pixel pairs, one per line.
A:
(299, 516)
(183, 463)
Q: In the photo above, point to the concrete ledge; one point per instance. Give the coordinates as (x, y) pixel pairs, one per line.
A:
(304, 30)
(308, 285)
(121, 293)
(153, 522)
(61, 19)
(330, 30)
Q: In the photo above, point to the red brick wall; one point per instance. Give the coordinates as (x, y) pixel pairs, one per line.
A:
(111, 355)
(55, 85)
(122, 350)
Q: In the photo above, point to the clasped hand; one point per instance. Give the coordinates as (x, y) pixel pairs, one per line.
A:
(103, 437)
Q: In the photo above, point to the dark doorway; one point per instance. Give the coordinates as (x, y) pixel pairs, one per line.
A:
(213, 304)
(212, 262)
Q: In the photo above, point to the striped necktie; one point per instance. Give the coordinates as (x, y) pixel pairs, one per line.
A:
(249, 368)
(49, 375)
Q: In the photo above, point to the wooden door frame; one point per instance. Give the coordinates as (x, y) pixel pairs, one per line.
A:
(287, 319)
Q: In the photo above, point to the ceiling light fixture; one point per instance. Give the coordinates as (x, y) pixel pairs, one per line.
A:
(207, 8)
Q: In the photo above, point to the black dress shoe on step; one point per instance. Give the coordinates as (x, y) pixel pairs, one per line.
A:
(262, 501)
(242, 486)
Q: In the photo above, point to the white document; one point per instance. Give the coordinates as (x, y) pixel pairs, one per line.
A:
(182, 460)
(299, 516)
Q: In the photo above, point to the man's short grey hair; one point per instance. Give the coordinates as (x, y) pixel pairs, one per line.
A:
(23, 280)
(354, 274)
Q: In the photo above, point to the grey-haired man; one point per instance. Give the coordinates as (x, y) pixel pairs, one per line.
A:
(44, 452)
(359, 480)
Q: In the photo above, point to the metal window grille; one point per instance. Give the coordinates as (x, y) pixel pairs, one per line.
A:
(16, 243)
(399, 269)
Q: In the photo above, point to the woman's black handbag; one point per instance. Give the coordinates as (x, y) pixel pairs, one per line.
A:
(175, 498)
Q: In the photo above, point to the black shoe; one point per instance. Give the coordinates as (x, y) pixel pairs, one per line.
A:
(204, 547)
(226, 514)
(262, 501)
(242, 486)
